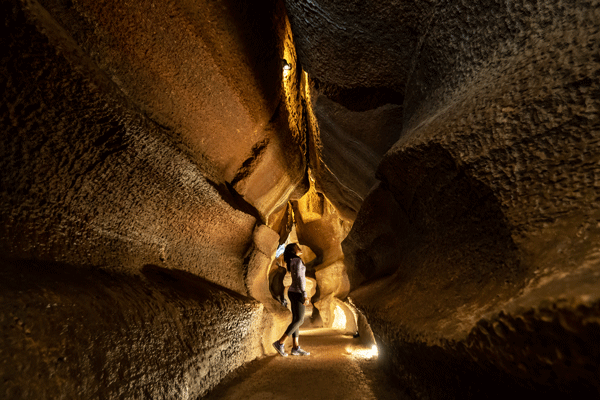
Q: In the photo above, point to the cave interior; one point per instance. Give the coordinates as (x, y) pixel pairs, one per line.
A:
(438, 162)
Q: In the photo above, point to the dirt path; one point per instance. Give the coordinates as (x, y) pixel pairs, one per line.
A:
(338, 368)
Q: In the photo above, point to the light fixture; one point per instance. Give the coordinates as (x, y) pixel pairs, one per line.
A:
(366, 353)
(286, 66)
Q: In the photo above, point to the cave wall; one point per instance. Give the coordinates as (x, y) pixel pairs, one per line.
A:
(322, 228)
(211, 74)
(126, 232)
(476, 255)
(352, 130)
(355, 54)
(90, 181)
(74, 332)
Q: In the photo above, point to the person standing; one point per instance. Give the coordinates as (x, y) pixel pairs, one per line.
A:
(298, 300)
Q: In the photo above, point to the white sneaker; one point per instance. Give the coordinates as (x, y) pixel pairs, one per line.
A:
(300, 352)
(279, 347)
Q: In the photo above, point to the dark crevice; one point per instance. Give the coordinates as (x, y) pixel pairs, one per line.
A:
(248, 166)
(359, 99)
(234, 199)
(155, 121)
(246, 264)
(276, 113)
(303, 186)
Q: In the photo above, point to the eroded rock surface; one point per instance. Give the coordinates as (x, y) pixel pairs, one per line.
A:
(160, 334)
(91, 181)
(485, 225)
(210, 74)
(119, 155)
(356, 58)
(154, 156)
(322, 228)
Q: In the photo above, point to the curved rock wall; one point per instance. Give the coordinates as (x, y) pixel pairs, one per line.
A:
(91, 181)
(478, 251)
(320, 227)
(126, 246)
(211, 74)
(73, 332)
(356, 56)
(349, 142)
(354, 44)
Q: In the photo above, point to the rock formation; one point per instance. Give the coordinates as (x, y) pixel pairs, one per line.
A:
(440, 159)
(132, 148)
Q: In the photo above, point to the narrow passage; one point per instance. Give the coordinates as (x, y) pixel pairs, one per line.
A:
(338, 368)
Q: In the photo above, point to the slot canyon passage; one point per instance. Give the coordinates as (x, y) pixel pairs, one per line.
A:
(437, 160)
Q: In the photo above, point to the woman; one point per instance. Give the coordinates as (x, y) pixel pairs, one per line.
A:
(298, 299)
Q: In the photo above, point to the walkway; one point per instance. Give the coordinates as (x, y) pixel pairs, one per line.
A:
(338, 368)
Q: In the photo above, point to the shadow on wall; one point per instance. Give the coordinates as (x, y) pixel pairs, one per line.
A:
(436, 266)
(276, 286)
(185, 285)
(441, 234)
(258, 17)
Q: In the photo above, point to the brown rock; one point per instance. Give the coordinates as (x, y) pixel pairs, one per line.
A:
(437, 161)
(479, 234)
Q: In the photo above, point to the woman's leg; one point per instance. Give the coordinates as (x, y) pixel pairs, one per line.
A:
(296, 350)
(300, 316)
(282, 339)
(298, 309)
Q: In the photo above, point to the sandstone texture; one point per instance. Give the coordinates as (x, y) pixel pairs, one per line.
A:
(355, 95)
(89, 180)
(320, 227)
(103, 180)
(437, 161)
(210, 74)
(160, 334)
(478, 250)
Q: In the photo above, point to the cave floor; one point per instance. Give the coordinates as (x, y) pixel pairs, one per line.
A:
(338, 368)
